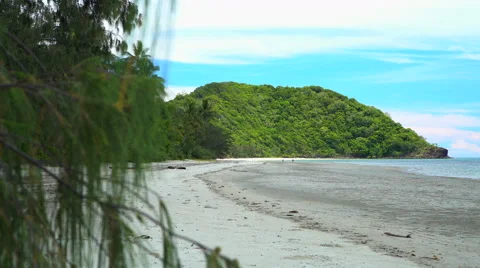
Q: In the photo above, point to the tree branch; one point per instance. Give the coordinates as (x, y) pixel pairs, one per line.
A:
(27, 50)
(36, 163)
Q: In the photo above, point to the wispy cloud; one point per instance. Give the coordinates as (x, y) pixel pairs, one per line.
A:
(424, 72)
(243, 47)
(470, 110)
(249, 31)
(432, 17)
(469, 56)
(452, 111)
(255, 46)
(464, 145)
(460, 132)
(399, 60)
(424, 55)
(445, 135)
(436, 120)
(436, 70)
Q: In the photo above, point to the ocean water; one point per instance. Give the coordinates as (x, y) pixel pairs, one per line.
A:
(453, 167)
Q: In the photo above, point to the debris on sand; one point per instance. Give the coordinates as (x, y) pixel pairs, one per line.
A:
(395, 235)
(176, 167)
(144, 237)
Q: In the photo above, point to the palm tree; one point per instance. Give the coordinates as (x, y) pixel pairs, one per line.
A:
(140, 64)
(140, 61)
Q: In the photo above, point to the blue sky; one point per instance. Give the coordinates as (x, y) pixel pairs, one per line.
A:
(417, 60)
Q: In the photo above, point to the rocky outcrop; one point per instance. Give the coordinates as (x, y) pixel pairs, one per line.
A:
(431, 152)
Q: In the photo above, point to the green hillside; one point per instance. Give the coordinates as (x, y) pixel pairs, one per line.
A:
(267, 121)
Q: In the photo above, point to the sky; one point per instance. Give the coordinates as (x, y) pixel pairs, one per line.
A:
(417, 60)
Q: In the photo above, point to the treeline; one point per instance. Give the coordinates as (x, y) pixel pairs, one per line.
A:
(191, 132)
(267, 121)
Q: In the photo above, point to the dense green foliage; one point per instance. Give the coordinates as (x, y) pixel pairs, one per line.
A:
(267, 121)
(74, 117)
(191, 132)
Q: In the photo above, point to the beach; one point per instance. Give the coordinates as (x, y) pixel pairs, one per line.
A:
(284, 214)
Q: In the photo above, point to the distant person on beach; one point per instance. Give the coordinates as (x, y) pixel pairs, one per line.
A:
(293, 160)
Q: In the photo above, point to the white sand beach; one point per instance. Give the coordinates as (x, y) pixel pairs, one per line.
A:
(361, 203)
(246, 232)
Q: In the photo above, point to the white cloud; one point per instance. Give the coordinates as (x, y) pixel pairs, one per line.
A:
(464, 145)
(205, 31)
(470, 56)
(250, 47)
(445, 134)
(405, 57)
(173, 91)
(467, 54)
(461, 131)
(462, 153)
(431, 17)
(453, 111)
(437, 70)
(427, 120)
(398, 60)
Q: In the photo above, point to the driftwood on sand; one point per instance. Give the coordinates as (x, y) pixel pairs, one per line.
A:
(396, 235)
(176, 167)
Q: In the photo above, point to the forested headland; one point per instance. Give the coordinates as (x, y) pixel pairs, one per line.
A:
(242, 120)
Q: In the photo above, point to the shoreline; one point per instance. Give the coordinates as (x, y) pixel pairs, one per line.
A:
(364, 226)
(361, 162)
(253, 237)
(254, 159)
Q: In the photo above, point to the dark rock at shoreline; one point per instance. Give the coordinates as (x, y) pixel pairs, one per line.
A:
(431, 153)
(437, 152)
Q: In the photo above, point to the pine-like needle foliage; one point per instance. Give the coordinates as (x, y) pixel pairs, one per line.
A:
(77, 123)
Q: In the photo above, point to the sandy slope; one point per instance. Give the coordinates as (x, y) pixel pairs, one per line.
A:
(256, 239)
(361, 203)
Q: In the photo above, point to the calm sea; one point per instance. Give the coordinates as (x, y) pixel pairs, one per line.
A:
(454, 167)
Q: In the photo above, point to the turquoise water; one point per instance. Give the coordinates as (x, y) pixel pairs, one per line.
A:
(454, 167)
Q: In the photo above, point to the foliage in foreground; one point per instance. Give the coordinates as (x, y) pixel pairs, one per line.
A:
(74, 120)
(264, 121)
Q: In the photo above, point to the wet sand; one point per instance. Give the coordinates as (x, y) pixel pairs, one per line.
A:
(243, 229)
(361, 203)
